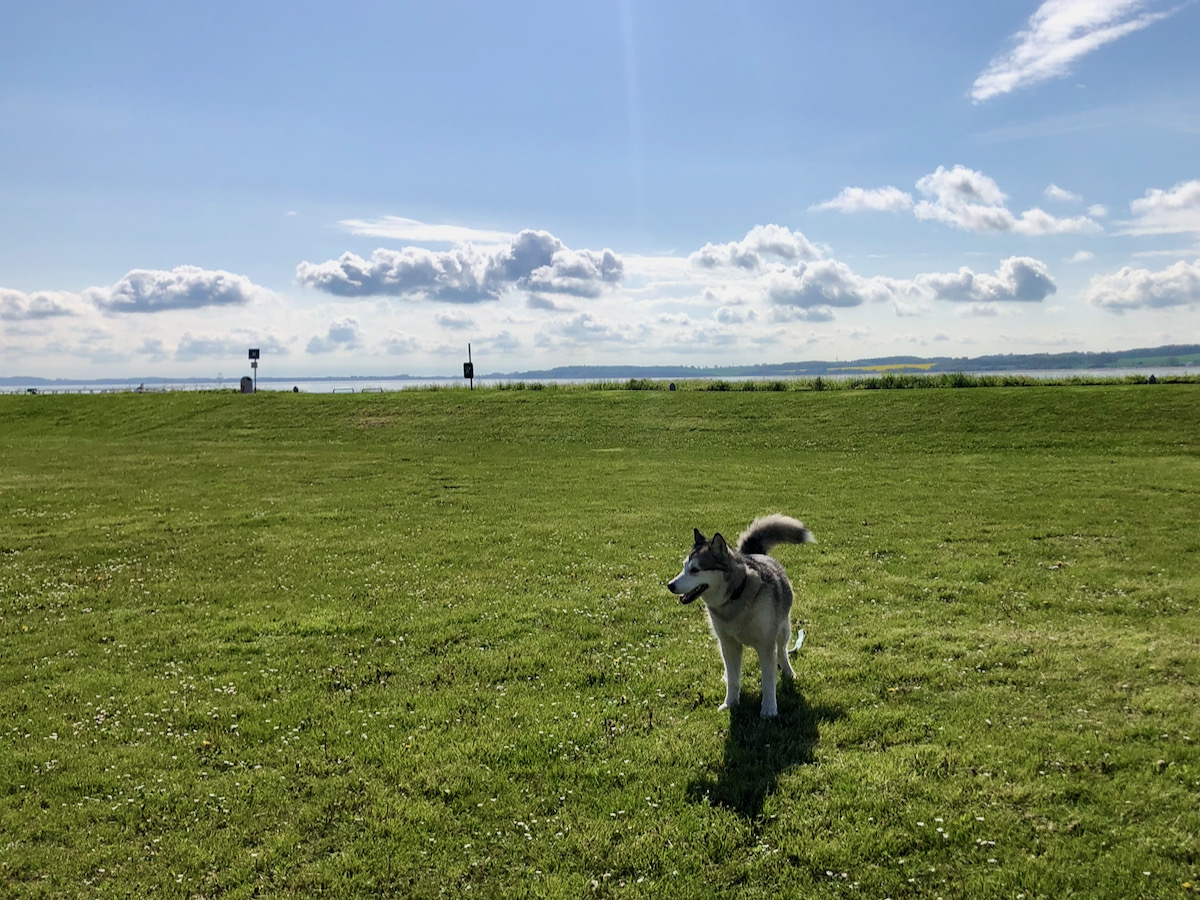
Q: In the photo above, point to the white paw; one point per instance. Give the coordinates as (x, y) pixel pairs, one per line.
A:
(768, 713)
(728, 704)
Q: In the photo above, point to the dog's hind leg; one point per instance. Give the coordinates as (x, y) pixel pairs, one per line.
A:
(766, 660)
(781, 651)
(731, 653)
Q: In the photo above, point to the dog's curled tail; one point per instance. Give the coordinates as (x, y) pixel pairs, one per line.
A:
(767, 531)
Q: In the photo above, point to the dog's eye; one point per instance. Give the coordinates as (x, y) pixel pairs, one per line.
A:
(693, 569)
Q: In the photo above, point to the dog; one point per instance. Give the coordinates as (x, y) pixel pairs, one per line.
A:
(748, 598)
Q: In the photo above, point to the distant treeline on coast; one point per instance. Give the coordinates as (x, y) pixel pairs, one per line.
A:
(1171, 355)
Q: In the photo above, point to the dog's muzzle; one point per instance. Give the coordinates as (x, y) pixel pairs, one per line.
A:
(691, 595)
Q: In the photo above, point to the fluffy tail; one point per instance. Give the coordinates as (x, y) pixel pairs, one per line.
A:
(767, 531)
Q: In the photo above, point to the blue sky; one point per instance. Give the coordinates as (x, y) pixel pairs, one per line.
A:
(365, 188)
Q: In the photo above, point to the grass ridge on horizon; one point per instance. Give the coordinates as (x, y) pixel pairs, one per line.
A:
(417, 643)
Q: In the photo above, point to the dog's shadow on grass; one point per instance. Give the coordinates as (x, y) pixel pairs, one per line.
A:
(758, 751)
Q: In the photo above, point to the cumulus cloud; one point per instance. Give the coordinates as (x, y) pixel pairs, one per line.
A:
(455, 319)
(1129, 288)
(1176, 211)
(1081, 256)
(18, 306)
(533, 261)
(184, 287)
(761, 244)
(855, 199)
(537, 301)
(503, 342)
(823, 284)
(965, 199)
(1019, 279)
(1059, 33)
(812, 290)
(585, 329)
(400, 343)
(735, 315)
(343, 334)
(972, 201)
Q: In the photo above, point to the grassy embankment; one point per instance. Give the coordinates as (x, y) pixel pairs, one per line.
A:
(388, 645)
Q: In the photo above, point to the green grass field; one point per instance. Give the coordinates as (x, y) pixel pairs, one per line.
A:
(419, 644)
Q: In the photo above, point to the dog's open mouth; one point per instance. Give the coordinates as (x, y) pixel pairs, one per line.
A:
(694, 593)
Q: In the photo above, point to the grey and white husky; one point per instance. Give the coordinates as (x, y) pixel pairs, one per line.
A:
(749, 599)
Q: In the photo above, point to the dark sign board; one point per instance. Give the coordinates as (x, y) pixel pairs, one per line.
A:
(254, 353)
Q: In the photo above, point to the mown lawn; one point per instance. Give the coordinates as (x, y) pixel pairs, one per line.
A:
(419, 643)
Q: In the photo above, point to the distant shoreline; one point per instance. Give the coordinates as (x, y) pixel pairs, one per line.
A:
(1167, 356)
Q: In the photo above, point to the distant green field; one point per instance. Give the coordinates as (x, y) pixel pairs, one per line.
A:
(419, 644)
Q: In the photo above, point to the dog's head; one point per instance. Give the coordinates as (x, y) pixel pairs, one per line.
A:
(706, 567)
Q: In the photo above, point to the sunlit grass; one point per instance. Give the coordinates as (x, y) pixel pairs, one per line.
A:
(401, 644)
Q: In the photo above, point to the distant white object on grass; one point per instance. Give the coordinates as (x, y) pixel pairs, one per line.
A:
(799, 640)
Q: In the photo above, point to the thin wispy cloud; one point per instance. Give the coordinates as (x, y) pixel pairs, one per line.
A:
(402, 229)
(856, 199)
(1059, 34)
(1060, 195)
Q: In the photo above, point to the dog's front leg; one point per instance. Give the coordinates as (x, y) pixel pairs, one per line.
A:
(731, 653)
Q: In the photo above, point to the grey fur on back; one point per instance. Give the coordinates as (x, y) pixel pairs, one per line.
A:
(766, 531)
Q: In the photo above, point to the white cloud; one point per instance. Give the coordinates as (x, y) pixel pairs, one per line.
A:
(972, 201)
(344, 334)
(1129, 288)
(455, 319)
(1097, 210)
(138, 291)
(735, 315)
(752, 252)
(184, 287)
(823, 284)
(193, 347)
(502, 342)
(533, 260)
(585, 329)
(1176, 211)
(1019, 279)
(855, 199)
(1081, 256)
(1061, 195)
(17, 305)
(1060, 33)
(401, 343)
(402, 229)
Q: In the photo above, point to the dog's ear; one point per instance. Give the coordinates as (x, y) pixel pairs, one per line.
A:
(718, 545)
(698, 537)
